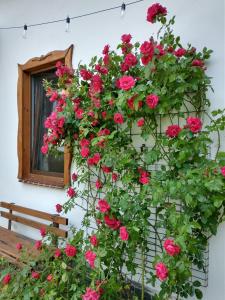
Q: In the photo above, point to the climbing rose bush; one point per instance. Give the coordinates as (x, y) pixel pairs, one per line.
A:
(164, 187)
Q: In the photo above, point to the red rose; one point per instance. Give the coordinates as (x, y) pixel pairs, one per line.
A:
(130, 102)
(84, 143)
(98, 184)
(124, 235)
(103, 206)
(6, 279)
(96, 84)
(114, 177)
(173, 131)
(106, 169)
(141, 122)
(86, 75)
(126, 83)
(161, 271)
(79, 113)
(74, 177)
(147, 49)
(180, 52)
(118, 118)
(43, 231)
(106, 49)
(84, 152)
(57, 253)
(194, 124)
(197, 63)
(71, 192)
(54, 96)
(111, 223)
(94, 240)
(144, 180)
(103, 132)
(58, 208)
(152, 100)
(35, 275)
(70, 250)
(155, 10)
(171, 248)
(223, 171)
(106, 59)
(130, 60)
(90, 257)
(91, 295)
(19, 246)
(126, 38)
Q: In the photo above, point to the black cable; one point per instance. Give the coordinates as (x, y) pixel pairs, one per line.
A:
(71, 18)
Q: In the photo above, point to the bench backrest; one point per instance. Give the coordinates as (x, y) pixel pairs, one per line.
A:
(55, 220)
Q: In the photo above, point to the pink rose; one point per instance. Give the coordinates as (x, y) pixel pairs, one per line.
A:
(111, 222)
(154, 11)
(171, 248)
(84, 152)
(79, 113)
(44, 149)
(71, 192)
(118, 118)
(90, 257)
(35, 275)
(19, 246)
(54, 96)
(141, 122)
(6, 279)
(96, 84)
(94, 240)
(58, 208)
(124, 235)
(91, 295)
(38, 245)
(49, 277)
(223, 171)
(70, 250)
(144, 180)
(161, 271)
(126, 38)
(147, 49)
(103, 132)
(103, 206)
(43, 231)
(194, 124)
(126, 83)
(173, 131)
(57, 253)
(152, 100)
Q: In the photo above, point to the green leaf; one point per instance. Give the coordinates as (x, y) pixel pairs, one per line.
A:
(198, 294)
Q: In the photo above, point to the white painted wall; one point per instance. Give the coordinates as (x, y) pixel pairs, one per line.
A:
(199, 21)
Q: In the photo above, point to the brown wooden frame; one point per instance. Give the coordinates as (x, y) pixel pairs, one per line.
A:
(34, 65)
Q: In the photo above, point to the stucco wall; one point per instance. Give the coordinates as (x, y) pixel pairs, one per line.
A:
(199, 21)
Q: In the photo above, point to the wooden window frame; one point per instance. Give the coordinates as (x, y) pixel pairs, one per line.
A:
(35, 65)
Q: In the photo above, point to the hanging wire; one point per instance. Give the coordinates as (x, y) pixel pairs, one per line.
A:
(75, 17)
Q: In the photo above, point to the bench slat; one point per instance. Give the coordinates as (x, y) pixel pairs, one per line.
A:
(34, 224)
(35, 213)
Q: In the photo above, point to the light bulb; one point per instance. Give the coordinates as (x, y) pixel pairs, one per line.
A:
(68, 24)
(123, 9)
(25, 31)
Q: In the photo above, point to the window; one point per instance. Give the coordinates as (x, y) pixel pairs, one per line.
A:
(33, 108)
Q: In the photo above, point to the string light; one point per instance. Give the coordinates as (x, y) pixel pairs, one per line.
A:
(68, 24)
(68, 19)
(25, 31)
(123, 9)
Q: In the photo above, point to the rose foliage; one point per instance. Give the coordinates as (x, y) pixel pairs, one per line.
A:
(169, 188)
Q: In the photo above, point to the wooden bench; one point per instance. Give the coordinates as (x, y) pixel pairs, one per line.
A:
(9, 239)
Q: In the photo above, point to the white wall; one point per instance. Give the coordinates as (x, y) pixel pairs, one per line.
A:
(199, 21)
